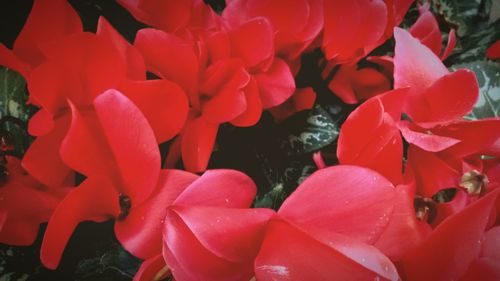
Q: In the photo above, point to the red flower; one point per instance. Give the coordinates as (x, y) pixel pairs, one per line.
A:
(459, 239)
(39, 34)
(121, 179)
(80, 68)
(311, 240)
(232, 79)
(25, 204)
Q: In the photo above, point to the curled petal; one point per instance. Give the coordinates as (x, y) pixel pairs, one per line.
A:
(425, 140)
(276, 85)
(220, 188)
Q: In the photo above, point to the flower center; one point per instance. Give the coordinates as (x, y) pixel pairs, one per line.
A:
(425, 209)
(125, 205)
(474, 182)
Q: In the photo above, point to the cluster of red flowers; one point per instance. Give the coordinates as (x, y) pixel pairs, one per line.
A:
(373, 217)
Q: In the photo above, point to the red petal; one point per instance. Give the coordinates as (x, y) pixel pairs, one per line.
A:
(153, 268)
(415, 65)
(171, 58)
(482, 269)
(25, 204)
(364, 200)
(42, 159)
(252, 41)
(140, 231)
(302, 99)
(289, 253)
(346, 39)
(276, 85)
(426, 29)
(98, 146)
(253, 109)
(41, 123)
(404, 231)
(94, 199)
(38, 30)
(493, 52)
(169, 15)
(439, 102)
(197, 144)
(134, 63)
(139, 167)
(163, 103)
(458, 240)
(435, 175)
(9, 60)
(220, 188)
(206, 243)
(426, 140)
(452, 41)
(369, 138)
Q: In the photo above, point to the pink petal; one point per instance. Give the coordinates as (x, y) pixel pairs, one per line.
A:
(206, 243)
(94, 199)
(289, 253)
(220, 188)
(458, 239)
(415, 65)
(364, 200)
(452, 41)
(140, 231)
(276, 85)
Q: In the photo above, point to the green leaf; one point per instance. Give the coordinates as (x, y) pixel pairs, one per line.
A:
(458, 13)
(13, 97)
(488, 77)
(309, 131)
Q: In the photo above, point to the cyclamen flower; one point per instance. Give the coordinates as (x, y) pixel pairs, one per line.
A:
(81, 67)
(307, 238)
(229, 75)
